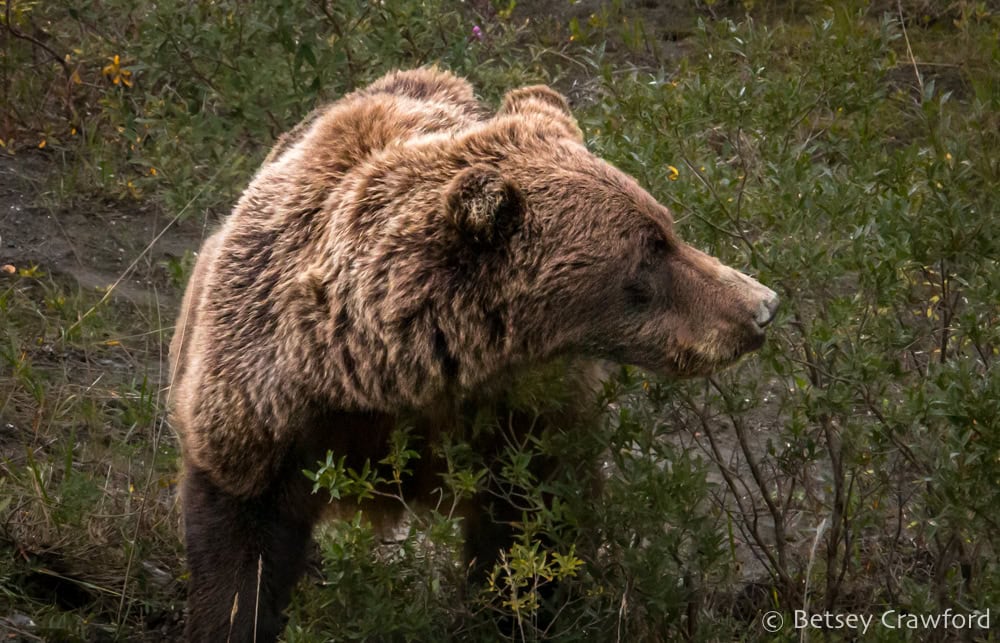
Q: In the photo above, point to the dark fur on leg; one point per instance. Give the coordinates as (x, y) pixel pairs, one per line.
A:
(489, 529)
(244, 556)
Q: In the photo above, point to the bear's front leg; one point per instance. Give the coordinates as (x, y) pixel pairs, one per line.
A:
(244, 556)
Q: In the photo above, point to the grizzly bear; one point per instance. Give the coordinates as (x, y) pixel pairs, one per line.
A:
(405, 251)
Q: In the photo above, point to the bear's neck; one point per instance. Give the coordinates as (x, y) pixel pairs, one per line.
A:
(405, 312)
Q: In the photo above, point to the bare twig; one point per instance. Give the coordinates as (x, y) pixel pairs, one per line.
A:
(909, 50)
(38, 43)
(256, 604)
(812, 556)
(776, 565)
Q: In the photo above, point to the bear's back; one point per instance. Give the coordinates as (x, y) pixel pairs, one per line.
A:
(336, 137)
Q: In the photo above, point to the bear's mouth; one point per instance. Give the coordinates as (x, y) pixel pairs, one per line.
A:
(712, 358)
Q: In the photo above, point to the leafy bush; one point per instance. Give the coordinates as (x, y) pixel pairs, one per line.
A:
(179, 101)
(823, 161)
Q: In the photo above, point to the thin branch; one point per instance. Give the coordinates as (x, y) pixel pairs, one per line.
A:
(909, 50)
(38, 43)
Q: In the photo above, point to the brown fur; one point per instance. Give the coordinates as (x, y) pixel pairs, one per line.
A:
(402, 251)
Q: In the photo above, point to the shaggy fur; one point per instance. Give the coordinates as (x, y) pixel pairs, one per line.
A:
(403, 251)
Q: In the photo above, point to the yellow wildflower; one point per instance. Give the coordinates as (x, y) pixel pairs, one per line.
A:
(115, 72)
(672, 173)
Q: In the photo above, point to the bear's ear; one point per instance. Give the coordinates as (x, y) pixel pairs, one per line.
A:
(541, 100)
(483, 205)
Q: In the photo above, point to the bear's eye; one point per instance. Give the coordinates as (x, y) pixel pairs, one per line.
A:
(638, 294)
(659, 246)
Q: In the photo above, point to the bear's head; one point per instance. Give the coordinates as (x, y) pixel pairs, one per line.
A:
(581, 260)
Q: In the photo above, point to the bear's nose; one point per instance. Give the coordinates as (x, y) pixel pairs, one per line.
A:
(768, 309)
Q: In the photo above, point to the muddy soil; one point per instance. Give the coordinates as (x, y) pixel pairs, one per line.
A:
(93, 242)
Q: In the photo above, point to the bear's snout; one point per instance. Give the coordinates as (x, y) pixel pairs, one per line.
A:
(768, 309)
(754, 297)
(735, 310)
(762, 305)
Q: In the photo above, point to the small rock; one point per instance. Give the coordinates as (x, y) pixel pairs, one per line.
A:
(21, 621)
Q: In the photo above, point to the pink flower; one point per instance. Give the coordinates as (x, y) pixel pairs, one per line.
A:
(477, 33)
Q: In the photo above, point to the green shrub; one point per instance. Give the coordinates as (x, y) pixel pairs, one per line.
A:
(179, 101)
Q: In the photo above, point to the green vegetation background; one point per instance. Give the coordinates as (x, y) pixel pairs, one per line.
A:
(845, 153)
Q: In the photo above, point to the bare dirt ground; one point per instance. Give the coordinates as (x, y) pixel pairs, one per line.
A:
(91, 241)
